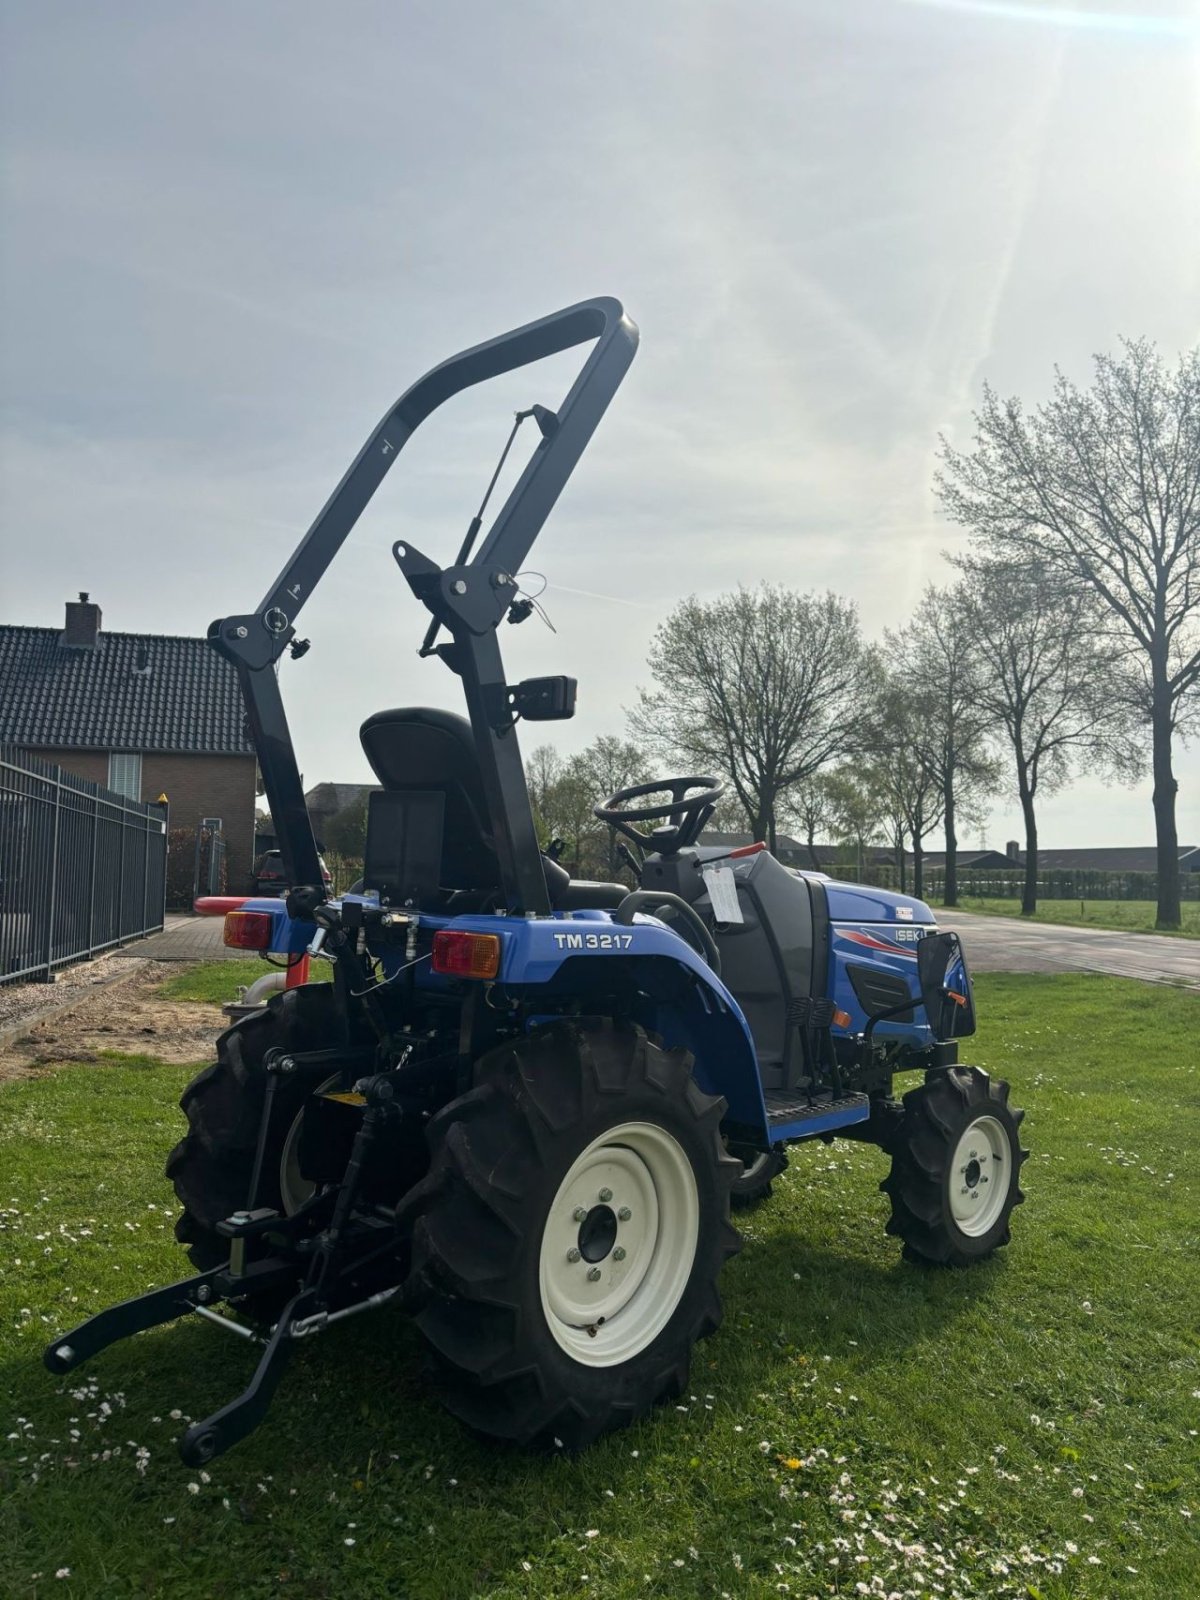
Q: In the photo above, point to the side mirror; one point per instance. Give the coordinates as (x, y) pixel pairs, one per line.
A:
(945, 985)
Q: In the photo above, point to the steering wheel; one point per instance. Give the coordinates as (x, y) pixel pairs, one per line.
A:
(685, 816)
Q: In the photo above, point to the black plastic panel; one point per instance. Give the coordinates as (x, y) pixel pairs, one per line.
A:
(879, 991)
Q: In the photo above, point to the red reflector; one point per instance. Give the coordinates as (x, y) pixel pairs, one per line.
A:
(248, 930)
(466, 955)
(747, 850)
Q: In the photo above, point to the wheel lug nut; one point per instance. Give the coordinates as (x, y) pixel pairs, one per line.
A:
(624, 1214)
(573, 1254)
(965, 1190)
(606, 1194)
(593, 1274)
(619, 1253)
(579, 1214)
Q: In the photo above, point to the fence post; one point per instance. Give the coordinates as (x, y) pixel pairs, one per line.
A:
(91, 933)
(49, 946)
(166, 850)
(121, 878)
(145, 870)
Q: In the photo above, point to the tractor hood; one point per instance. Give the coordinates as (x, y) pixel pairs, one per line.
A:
(852, 902)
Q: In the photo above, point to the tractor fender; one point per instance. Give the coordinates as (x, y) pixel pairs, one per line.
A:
(678, 995)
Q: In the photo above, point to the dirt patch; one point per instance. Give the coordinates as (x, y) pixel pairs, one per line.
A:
(125, 1014)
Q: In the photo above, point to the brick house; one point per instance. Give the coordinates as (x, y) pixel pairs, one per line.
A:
(141, 713)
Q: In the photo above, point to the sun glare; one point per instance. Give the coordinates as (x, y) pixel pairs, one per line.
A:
(1082, 18)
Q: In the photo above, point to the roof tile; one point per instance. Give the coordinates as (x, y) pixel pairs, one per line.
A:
(184, 698)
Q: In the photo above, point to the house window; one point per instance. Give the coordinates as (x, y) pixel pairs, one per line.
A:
(125, 773)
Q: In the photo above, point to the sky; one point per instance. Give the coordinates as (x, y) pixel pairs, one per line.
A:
(232, 235)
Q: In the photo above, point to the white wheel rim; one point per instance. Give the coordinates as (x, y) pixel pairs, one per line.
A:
(979, 1176)
(619, 1243)
(294, 1187)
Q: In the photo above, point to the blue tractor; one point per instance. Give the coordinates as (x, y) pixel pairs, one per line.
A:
(524, 1105)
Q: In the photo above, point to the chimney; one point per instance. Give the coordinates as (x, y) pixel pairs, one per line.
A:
(82, 630)
(1012, 850)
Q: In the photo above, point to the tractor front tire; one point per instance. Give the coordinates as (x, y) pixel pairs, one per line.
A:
(212, 1164)
(760, 1168)
(568, 1238)
(956, 1168)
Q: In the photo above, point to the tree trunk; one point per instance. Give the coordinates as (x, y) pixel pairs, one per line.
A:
(811, 834)
(1029, 888)
(918, 866)
(770, 830)
(1165, 787)
(898, 842)
(950, 897)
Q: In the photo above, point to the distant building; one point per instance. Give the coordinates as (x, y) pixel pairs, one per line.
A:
(795, 853)
(142, 713)
(969, 860)
(1106, 858)
(788, 850)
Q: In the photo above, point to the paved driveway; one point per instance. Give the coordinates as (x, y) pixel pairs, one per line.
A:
(994, 944)
(186, 939)
(1001, 944)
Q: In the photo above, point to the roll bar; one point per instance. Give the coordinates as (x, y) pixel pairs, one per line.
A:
(254, 642)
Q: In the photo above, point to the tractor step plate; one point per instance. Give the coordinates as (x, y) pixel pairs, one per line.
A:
(791, 1117)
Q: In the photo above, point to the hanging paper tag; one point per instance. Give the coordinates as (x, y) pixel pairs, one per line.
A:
(722, 891)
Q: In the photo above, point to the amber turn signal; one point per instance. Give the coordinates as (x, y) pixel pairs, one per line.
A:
(466, 955)
(248, 930)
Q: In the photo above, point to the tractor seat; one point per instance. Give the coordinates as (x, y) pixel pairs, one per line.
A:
(579, 894)
(421, 748)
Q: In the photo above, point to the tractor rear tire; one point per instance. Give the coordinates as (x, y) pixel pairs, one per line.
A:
(956, 1168)
(212, 1164)
(551, 1315)
(760, 1168)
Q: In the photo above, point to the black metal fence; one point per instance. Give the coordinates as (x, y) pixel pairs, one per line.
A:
(81, 869)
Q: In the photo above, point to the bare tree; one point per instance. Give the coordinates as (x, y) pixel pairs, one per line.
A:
(949, 725)
(609, 764)
(763, 686)
(808, 806)
(911, 792)
(564, 792)
(730, 815)
(1048, 682)
(858, 810)
(1105, 484)
(543, 769)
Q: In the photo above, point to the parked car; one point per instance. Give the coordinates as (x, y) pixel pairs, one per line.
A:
(267, 875)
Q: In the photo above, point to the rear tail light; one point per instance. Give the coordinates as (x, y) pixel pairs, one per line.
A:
(842, 1019)
(248, 930)
(466, 955)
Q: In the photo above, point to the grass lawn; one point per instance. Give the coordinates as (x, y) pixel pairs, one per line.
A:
(858, 1426)
(218, 981)
(1128, 916)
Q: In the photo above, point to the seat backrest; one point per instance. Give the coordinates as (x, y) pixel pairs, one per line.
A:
(416, 747)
